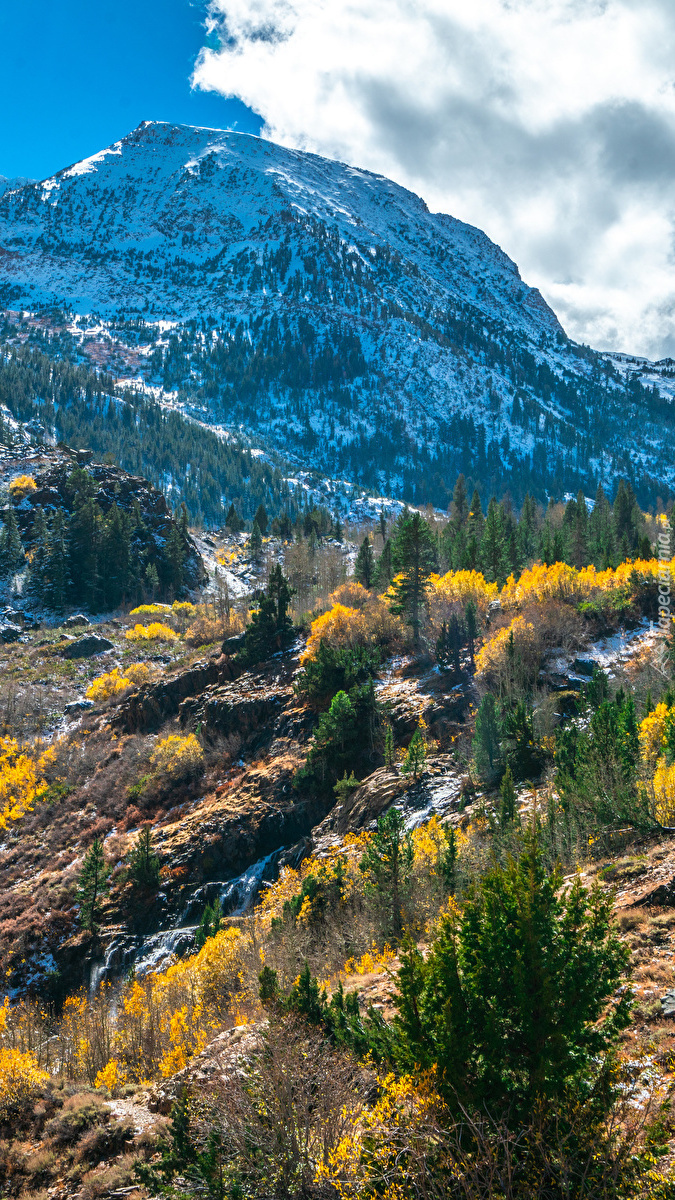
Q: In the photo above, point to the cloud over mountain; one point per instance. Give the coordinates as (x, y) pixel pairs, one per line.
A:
(549, 123)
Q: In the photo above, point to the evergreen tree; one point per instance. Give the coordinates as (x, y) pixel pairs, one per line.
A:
(152, 581)
(84, 536)
(416, 755)
(261, 519)
(527, 530)
(173, 561)
(92, 886)
(413, 559)
(233, 521)
(627, 520)
(364, 567)
(459, 512)
(349, 729)
(344, 787)
(387, 865)
(210, 923)
(389, 751)
(486, 742)
(493, 549)
(115, 558)
(383, 527)
(271, 628)
(575, 526)
(476, 519)
(143, 862)
(519, 744)
(516, 1005)
(57, 576)
(11, 549)
(281, 593)
(448, 645)
(256, 542)
(40, 555)
(508, 798)
(470, 616)
(183, 521)
(601, 532)
(384, 571)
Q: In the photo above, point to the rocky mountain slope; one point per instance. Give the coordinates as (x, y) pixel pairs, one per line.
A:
(327, 314)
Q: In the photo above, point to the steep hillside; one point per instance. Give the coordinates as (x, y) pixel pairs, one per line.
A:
(324, 312)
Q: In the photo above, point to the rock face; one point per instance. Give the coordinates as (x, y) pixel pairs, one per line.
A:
(376, 795)
(152, 705)
(87, 647)
(242, 707)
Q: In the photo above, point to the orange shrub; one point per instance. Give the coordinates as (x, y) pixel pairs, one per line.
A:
(369, 624)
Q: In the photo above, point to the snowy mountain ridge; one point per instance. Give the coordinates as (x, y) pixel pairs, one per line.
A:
(324, 311)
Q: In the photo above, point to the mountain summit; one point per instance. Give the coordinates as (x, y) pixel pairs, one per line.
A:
(326, 312)
(168, 193)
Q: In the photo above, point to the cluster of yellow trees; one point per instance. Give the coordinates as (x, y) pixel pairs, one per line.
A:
(657, 747)
(22, 778)
(359, 618)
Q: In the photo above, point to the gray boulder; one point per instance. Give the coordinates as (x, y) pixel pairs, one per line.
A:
(10, 632)
(76, 621)
(77, 706)
(87, 647)
(668, 1004)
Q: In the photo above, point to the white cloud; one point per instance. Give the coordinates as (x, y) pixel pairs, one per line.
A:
(548, 123)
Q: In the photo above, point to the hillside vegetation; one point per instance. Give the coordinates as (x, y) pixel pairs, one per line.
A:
(347, 872)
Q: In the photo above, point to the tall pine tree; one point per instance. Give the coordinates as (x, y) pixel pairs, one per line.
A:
(413, 559)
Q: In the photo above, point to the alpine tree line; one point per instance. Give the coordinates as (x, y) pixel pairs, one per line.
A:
(501, 542)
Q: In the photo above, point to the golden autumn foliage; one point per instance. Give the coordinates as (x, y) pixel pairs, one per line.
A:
(207, 626)
(154, 632)
(356, 618)
(664, 792)
(559, 581)
(151, 610)
(113, 682)
(112, 1076)
(458, 587)
(177, 757)
(516, 646)
(20, 1081)
(21, 486)
(21, 778)
(658, 772)
(383, 1152)
(21, 1077)
(652, 735)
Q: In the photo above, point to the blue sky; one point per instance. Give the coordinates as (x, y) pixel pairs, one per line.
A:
(76, 75)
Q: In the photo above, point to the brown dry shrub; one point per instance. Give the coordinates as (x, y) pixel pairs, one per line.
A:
(299, 1097)
(209, 627)
(79, 1113)
(40, 1166)
(109, 1179)
(104, 1141)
